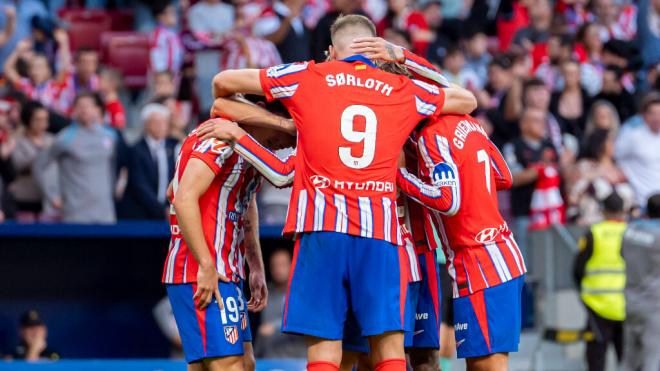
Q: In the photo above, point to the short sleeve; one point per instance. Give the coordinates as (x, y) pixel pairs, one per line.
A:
(281, 82)
(213, 152)
(429, 98)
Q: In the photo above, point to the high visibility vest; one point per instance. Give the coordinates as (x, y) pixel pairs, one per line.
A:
(605, 273)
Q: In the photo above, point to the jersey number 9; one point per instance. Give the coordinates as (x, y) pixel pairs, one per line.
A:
(368, 136)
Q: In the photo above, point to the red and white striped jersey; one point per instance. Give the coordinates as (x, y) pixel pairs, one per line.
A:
(456, 154)
(167, 51)
(51, 93)
(223, 207)
(352, 121)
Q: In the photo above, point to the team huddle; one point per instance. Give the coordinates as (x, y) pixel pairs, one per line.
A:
(388, 166)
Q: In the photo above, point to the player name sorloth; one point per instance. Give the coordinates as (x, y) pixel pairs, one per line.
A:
(346, 79)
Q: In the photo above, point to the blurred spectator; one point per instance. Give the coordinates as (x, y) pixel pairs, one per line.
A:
(84, 76)
(599, 272)
(283, 25)
(33, 335)
(615, 20)
(571, 105)
(648, 21)
(321, 36)
(538, 31)
(594, 178)
(526, 156)
(211, 17)
(614, 92)
(10, 24)
(35, 138)
(7, 171)
(151, 166)
(272, 343)
(163, 84)
(477, 58)
(40, 85)
(180, 116)
(637, 151)
(455, 71)
(109, 82)
(85, 153)
(167, 49)
(641, 251)
(590, 46)
(603, 115)
(402, 16)
(165, 319)
(44, 39)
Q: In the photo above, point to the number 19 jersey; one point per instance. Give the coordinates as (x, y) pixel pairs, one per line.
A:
(352, 121)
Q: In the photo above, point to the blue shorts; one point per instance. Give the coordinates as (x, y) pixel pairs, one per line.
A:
(422, 312)
(333, 274)
(426, 333)
(210, 333)
(489, 321)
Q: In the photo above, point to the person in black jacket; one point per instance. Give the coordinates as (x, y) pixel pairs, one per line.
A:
(150, 167)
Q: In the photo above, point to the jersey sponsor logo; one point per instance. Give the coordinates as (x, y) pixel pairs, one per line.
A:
(233, 216)
(319, 181)
(487, 235)
(421, 316)
(444, 174)
(369, 185)
(286, 69)
(231, 334)
(461, 327)
(175, 230)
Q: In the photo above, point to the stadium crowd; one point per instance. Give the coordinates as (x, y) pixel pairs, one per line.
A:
(569, 90)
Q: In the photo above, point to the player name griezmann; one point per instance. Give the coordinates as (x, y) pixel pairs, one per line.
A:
(346, 79)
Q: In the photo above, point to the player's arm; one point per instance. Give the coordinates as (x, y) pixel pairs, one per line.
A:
(458, 100)
(195, 181)
(434, 197)
(230, 82)
(279, 173)
(247, 113)
(503, 177)
(442, 169)
(254, 258)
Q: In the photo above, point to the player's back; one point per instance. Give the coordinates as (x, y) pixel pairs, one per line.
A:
(222, 208)
(480, 248)
(352, 121)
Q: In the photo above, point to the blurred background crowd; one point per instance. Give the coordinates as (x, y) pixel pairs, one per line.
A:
(96, 96)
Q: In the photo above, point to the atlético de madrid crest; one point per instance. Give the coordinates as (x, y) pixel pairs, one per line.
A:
(231, 334)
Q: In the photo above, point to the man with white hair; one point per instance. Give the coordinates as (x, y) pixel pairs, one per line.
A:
(150, 166)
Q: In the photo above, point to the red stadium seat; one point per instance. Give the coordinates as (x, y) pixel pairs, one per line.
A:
(129, 53)
(122, 19)
(86, 27)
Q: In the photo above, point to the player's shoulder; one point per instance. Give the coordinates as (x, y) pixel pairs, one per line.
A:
(286, 69)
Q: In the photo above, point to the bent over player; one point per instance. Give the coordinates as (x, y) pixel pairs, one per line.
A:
(352, 120)
(213, 222)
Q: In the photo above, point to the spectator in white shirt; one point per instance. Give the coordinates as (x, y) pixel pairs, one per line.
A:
(637, 151)
(211, 16)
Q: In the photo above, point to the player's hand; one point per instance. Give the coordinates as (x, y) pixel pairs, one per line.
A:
(207, 287)
(259, 292)
(376, 48)
(220, 129)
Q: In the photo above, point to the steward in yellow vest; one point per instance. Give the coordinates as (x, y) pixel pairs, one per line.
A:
(600, 273)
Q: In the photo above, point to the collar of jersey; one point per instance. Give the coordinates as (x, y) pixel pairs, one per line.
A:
(359, 58)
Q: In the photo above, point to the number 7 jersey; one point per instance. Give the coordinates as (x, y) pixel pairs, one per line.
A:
(352, 121)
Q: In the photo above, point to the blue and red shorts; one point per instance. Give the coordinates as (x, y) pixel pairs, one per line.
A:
(333, 274)
(210, 333)
(489, 321)
(422, 312)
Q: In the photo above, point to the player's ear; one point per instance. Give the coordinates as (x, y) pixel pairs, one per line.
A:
(332, 53)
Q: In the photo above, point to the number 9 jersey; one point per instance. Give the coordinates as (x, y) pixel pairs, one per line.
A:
(352, 121)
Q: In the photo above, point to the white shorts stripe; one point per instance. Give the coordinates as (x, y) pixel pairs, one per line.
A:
(302, 211)
(319, 210)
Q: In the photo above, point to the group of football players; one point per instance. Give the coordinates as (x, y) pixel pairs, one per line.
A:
(388, 166)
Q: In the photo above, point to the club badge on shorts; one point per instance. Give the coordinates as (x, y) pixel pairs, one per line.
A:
(244, 321)
(231, 334)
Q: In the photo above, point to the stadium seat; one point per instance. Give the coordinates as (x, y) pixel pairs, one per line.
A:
(129, 53)
(86, 27)
(122, 19)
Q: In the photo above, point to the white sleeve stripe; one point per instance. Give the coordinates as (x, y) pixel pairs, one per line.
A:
(275, 177)
(427, 72)
(432, 89)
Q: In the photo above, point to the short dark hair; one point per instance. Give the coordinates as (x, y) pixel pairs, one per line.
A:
(28, 110)
(650, 99)
(98, 101)
(613, 203)
(533, 83)
(351, 20)
(85, 50)
(595, 143)
(653, 206)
